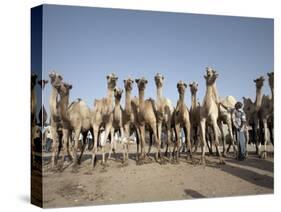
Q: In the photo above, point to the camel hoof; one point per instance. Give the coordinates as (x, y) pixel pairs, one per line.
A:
(140, 162)
(264, 155)
(222, 162)
(202, 162)
(224, 154)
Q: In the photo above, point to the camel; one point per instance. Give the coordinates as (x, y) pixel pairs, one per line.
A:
(181, 120)
(102, 116)
(147, 116)
(271, 118)
(194, 115)
(118, 117)
(209, 112)
(130, 116)
(165, 110)
(226, 106)
(33, 100)
(266, 113)
(75, 117)
(55, 118)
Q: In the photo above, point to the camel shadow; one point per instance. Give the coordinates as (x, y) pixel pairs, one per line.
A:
(193, 193)
(247, 175)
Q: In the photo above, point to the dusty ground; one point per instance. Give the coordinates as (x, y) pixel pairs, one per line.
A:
(118, 183)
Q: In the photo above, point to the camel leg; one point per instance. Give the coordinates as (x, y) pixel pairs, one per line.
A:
(169, 140)
(159, 132)
(112, 140)
(150, 142)
(138, 135)
(229, 125)
(108, 127)
(142, 141)
(95, 144)
(177, 143)
(76, 142)
(157, 142)
(83, 146)
(256, 137)
(215, 128)
(187, 140)
(55, 145)
(266, 134)
(64, 145)
(203, 140)
(220, 124)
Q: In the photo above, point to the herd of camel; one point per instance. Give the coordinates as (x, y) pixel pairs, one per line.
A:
(158, 116)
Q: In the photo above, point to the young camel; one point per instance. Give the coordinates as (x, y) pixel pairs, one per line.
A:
(130, 115)
(194, 115)
(55, 119)
(182, 120)
(165, 111)
(209, 112)
(118, 118)
(76, 118)
(102, 116)
(147, 116)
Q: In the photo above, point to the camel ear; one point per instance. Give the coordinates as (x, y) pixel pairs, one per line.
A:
(190, 85)
(162, 77)
(205, 76)
(60, 77)
(124, 81)
(197, 84)
(107, 77)
(145, 81)
(137, 80)
(185, 85)
(70, 87)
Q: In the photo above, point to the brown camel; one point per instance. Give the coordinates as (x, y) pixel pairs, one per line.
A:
(271, 118)
(209, 112)
(55, 119)
(130, 115)
(165, 111)
(147, 116)
(76, 118)
(181, 119)
(102, 116)
(266, 115)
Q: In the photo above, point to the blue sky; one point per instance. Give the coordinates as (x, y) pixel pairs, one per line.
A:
(85, 44)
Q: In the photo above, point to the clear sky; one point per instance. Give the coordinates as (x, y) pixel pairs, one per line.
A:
(85, 44)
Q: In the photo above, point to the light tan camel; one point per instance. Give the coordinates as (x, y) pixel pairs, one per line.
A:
(33, 99)
(76, 118)
(266, 114)
(147, 116)
(102, 116)
(118, 119)
(55, 118)
(131, 113)
(181, 119)
(226, 106)
(194, 115)
(209, 112)
(165, 111)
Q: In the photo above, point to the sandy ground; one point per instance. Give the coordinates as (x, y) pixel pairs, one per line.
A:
(124, 183)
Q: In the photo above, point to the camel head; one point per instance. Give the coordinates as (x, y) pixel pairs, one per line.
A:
(118, 93)
(42, 83)
(128, 84)
(181, 87)
(249, 107)
(259, 82)
(271, 79)
(211, 76)
(111, 81)
(63, 89)
(55, 78)
(33, 80)
(141, 83)
(159, 79)
(193, 87)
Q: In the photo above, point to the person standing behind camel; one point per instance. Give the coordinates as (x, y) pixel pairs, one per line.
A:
(239, 122)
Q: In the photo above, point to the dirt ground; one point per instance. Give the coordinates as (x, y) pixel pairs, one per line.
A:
(124, 183)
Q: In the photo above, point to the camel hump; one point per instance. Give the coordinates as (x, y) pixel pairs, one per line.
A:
(228, 101)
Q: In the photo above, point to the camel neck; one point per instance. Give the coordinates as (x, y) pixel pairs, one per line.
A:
(54, 102)
(159, 92)
(117, 102)
(212, 92)
(258, 98)
(128, 101)
(181, 98)
(110, 94)
(141, 96)
(193, 100)
(63, 107)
